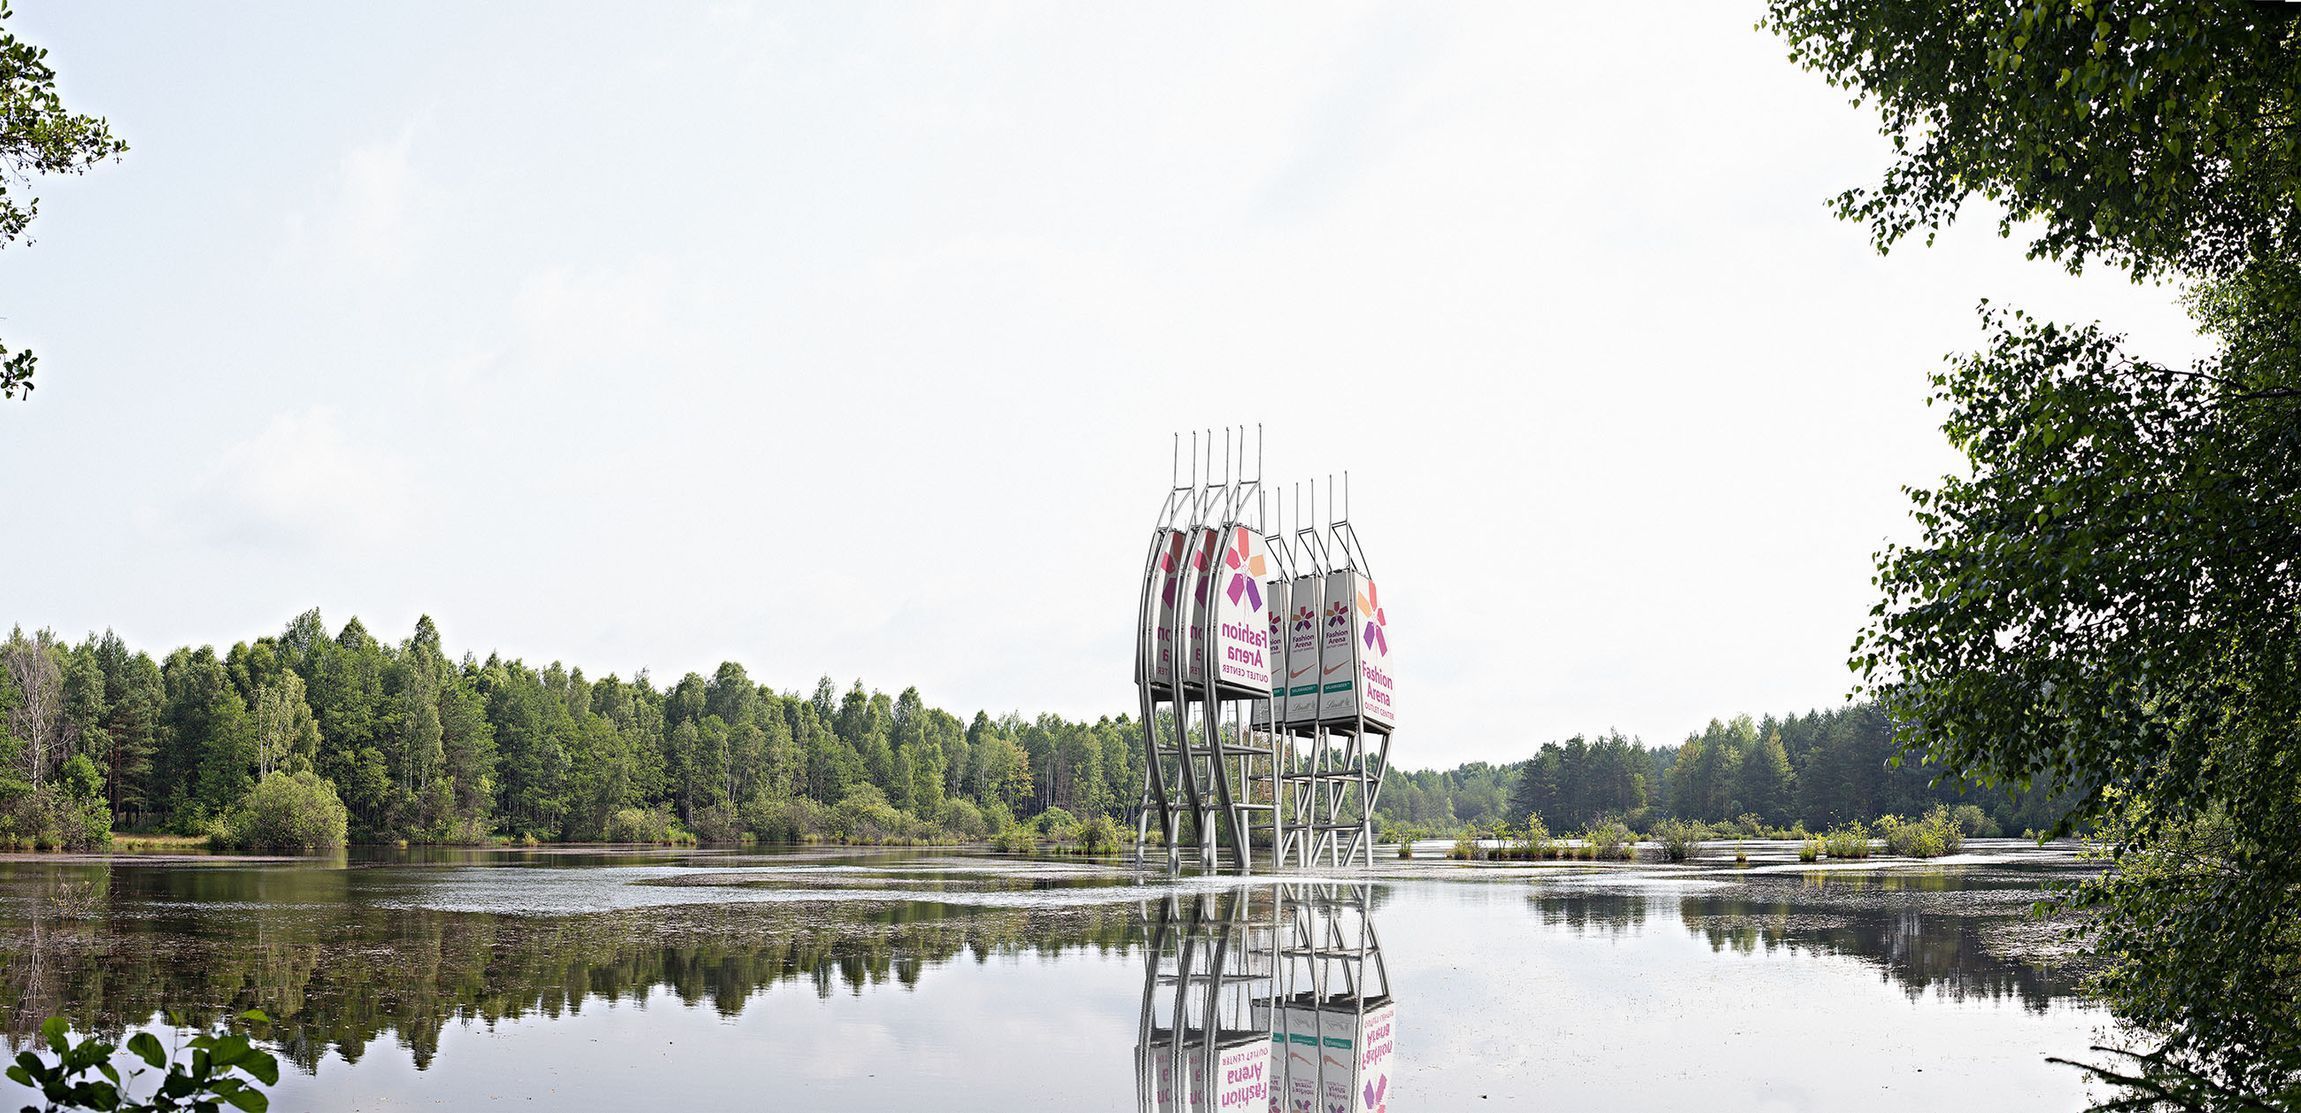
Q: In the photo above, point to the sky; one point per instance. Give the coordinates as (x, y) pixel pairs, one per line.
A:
(850, 340)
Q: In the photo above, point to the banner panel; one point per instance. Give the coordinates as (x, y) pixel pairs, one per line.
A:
(1302, 641)
(1159, 610)
(1276, 593)
(1242, 613)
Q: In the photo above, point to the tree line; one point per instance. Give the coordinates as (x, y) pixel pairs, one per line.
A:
(421, 747)
(1820, 769)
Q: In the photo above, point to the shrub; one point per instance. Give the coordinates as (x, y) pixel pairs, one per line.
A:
(866, 817)
(1974, 822)
(286, 811)
(1849, 841)
(1681, 841)
(1015, 838)
(961, 818)
(642, 825)
(1534, 841)
(715, 824)
(1935, 835)
(1101, 835)
(1052, 820)
(1609, 839)
(1465, 848)
(1811, 850)
(785, 822)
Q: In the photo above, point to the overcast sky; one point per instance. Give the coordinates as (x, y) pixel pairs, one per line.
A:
(849, 339)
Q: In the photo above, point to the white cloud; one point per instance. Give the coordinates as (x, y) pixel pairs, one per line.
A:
(300, 483)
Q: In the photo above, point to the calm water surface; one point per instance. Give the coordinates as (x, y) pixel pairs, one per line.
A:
(935, 980)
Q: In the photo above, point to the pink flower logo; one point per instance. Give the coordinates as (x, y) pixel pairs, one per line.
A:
(1370, 608)
(1247, 569)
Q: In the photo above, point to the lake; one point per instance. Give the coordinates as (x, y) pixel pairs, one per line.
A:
(857, 979)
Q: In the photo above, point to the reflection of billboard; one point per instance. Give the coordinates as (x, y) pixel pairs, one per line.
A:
(1242, 1078)
(1275, 598)
(1242, 616)
(1375, 1051)
(1354, 653)
(1332, 1057)
(1301, 1059)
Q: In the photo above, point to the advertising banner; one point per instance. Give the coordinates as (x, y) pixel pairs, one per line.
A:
(1302, 639)
(1201, 557)
(1241, 611)
(1159, 611)
(1275, 594)
(1355, 668)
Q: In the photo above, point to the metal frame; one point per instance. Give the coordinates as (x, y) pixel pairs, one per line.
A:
(1306, 790)
(1213, 768)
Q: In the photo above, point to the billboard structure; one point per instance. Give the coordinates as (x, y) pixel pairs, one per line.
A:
(1264, 676)
(1340, 712)
(1202, 659)
(1267, 998)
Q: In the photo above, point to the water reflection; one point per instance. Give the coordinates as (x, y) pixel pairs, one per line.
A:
(110, 948)
(1276, 971)
(1265, 999)
(1960, 931)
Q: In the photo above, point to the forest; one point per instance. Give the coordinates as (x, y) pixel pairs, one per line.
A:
(313, 738)
(1819, 769)
(406, 743)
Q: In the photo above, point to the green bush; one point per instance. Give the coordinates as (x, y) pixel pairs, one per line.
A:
(1465, 849)
(1810, 851)
(1534, 840)
(865, 817)
(1680, 841)
(1052, 820)
(1609, 840)
(1101, 836)
(1849, 841)
(1975, 822)
(961, 818)
(644, 825)
(785, 822)
(1015, 838)
(286, 811)
(1935, 835)
(716, 824)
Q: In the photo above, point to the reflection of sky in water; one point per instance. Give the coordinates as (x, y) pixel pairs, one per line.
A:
(823, 980)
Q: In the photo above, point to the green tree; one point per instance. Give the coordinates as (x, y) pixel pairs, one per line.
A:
(287, 736)
(38, 135)
(2106, 601)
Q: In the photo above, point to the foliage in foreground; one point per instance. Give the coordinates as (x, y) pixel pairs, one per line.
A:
(38, 135)
(2106, 597)
(221, 1068)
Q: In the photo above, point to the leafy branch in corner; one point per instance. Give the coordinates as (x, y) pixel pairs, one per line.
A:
(221, 1068)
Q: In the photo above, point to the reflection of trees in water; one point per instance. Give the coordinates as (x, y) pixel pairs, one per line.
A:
(1963, 934)
(340, 974)
(1590, 912)
(1929, 931)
